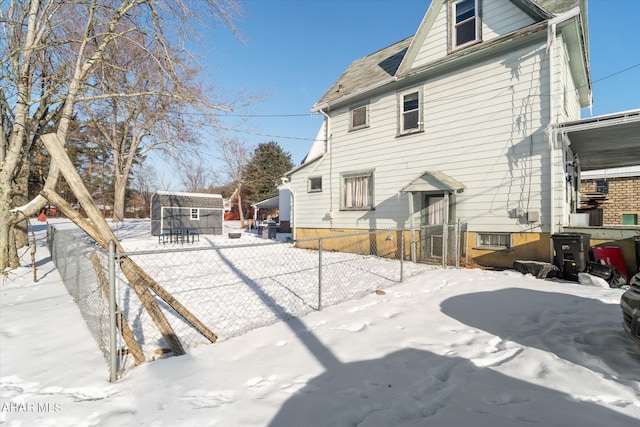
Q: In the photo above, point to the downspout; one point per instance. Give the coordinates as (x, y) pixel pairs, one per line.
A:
(287, 185)
(553, 134)
(327, 137)
(551, 36)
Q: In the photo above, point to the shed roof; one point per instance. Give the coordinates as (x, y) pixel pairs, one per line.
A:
(190, 200)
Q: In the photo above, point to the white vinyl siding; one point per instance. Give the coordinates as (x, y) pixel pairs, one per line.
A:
(484, 126)
(498, 18)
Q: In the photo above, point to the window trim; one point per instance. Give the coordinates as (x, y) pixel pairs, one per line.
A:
(349, 175)
(480, 245)
(366, 117)
(401, 112)
(195, 217)
(310, 188)
(453, 25)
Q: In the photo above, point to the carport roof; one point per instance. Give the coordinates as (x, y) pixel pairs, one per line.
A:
(603, 142)
(270, 203)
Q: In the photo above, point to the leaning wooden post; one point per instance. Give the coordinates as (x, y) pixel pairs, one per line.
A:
(128, 267)
(125, 330)
(59, 155)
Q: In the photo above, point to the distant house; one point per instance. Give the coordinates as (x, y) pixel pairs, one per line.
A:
(461, 122)
(200, 212)
(613, 193)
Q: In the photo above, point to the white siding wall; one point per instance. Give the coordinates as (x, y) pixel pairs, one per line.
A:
(484, 126)
(502, 17)
(435, 44)
(499, 17)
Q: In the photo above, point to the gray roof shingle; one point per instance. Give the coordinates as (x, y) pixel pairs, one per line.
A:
(380, 67)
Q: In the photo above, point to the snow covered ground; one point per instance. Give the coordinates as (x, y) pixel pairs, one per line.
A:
(446, 348)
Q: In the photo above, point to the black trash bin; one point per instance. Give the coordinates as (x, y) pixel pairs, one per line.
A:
(636, 241)
(571, 253)
(269, 230)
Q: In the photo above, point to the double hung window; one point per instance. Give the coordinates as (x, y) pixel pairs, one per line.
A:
(410, 111)
(465, 22)
(357, 191)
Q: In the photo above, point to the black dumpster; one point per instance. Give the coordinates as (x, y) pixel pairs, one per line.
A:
(571, 253)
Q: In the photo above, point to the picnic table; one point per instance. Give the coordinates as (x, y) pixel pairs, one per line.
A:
(179, 235)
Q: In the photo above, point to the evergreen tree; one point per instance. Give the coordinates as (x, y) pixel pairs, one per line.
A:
(262, 174)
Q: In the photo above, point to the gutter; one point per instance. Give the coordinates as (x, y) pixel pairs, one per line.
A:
(326, 105)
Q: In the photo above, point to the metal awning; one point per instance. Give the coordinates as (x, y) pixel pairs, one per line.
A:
(270, 203)
(604, 142)
(433, 182)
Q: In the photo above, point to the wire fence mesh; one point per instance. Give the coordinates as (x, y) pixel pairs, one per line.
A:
(216, 291)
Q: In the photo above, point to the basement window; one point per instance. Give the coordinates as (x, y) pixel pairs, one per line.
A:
(495, 241)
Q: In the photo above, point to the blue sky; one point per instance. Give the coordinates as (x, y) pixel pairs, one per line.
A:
(295, 49)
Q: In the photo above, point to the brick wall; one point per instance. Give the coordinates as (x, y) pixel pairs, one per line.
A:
(623, 197)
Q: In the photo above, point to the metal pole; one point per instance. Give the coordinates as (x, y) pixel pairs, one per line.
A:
(445, 243)
(113, 347)
(402, 255)
(457, 235)
(319, 274)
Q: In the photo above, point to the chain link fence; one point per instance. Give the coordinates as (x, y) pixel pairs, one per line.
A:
(220, 288)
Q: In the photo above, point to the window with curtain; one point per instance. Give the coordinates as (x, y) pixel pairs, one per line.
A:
(357, 191)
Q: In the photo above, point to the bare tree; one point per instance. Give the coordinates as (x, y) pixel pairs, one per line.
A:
(196, 177)
(53, 54)
(145, 179)
(235, 154)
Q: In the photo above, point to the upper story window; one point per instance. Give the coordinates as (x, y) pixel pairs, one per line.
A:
(359, 117)
(357, 191)
(410, 111)
(465, 22)
(195, 213)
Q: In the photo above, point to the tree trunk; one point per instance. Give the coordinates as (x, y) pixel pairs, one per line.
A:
(119, 192)
(240, 207)
(21, 198)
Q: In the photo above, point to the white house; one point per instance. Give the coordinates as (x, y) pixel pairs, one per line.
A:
(458, 122)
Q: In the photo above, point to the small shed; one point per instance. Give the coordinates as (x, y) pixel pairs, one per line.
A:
(204, 213)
